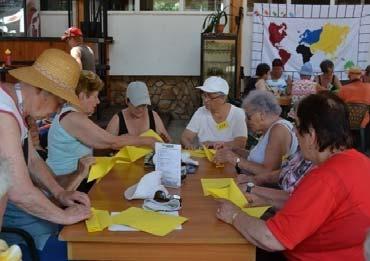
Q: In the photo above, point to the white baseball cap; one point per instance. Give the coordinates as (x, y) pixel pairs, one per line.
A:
(215, 84)
(138, 94)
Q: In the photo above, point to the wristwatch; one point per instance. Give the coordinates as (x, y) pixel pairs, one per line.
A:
(237, 168)
(250, 186)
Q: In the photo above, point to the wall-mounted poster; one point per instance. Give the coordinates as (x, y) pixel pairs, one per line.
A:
(299, 34)
(12, 17)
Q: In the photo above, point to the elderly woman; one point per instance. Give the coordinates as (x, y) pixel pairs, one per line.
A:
(137, 117)
(328, 214)
(43, 88)
(67, 137)
(293, 169)
(217, 121)
(278, 138)
(327, 81)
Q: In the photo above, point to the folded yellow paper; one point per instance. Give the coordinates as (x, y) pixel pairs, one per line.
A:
(126, 155)
(99, 220)
(256, 212)
(210, 154)
(101, 167)
(148, 221)
(226, 188)
(196, 153)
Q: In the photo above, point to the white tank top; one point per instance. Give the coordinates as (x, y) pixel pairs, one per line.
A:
(8, 105)
(257, 154)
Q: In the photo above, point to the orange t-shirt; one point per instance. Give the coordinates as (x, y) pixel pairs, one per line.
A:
(358, 92)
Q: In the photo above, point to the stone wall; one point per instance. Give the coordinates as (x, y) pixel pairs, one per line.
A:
(174, 95)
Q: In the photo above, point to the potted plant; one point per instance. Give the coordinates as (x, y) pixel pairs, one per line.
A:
(213, 21)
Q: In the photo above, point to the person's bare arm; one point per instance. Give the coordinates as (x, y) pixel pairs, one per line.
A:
(76, 54)
(238, 142)
(187, 139)
(35, 202)
(253, 229)
(160, 128)
(41, 173)
(278, 145)
(78, 125)
(113, 125)
(72, 181)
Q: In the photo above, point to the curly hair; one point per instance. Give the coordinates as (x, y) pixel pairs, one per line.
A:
(89, 82)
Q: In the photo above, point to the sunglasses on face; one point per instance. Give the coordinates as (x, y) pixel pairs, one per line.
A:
(206, 96)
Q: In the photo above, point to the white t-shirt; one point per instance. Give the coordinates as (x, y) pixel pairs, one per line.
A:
(203, 124)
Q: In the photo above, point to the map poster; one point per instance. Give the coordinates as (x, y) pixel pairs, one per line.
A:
(301, 40)
(311, 33)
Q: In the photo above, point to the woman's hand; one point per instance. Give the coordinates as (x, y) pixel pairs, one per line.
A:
(227, 211)
(84, 165)
(225, 155)
(244, 179)
(255, 200)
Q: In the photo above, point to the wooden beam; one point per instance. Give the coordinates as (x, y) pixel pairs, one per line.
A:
(235, 6)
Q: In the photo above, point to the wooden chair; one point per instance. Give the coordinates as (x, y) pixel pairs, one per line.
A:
(357, 112)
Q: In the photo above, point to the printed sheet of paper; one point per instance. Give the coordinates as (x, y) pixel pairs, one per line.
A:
(168, 161)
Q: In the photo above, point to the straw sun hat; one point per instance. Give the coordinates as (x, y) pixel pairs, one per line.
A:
(54, 71)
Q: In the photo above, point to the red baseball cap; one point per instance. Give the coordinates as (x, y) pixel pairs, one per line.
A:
(71, 32)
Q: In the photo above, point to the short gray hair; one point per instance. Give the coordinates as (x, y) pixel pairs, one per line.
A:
(4, 176)
(262, 101)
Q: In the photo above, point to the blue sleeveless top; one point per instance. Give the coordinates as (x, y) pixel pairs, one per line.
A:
(64, 150)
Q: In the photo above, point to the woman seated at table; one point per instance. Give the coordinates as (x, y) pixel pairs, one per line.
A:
(217, 121)
(327, 81)
(328, 214)
(278, 138)
(292, 171)
(137, 118)
(73, 136)
(279, 82)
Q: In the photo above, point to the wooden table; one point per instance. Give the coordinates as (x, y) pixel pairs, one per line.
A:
(203, 236)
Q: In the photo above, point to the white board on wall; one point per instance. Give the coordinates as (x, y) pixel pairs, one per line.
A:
(155, 44)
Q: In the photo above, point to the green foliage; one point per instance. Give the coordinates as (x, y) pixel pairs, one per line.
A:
(166, 5)
(211, 20)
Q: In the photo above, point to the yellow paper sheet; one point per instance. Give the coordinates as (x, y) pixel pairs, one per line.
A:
(214, 184)
(152, 133)
(126, 155)
(210, 154)
(148, 221)
(229, 192)
(101, 168)
(196, 153)
(99, 220)
(226, 188)
(256, 212)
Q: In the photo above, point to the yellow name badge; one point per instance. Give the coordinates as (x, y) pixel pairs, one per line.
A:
(222, 125)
